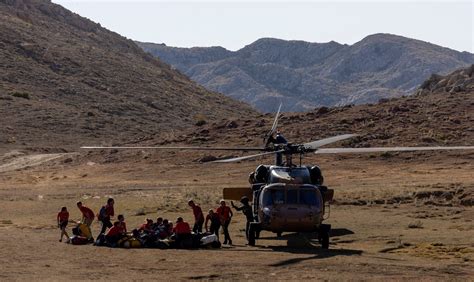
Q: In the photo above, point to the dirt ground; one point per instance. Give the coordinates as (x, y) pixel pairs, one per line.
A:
(402, 217)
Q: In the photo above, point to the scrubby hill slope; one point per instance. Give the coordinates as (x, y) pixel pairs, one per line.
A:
(434, 116)
(304, 75)
(65, 81)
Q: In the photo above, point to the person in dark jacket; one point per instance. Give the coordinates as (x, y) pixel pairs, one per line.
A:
(105, 213)
(246, 209)
(215, 221)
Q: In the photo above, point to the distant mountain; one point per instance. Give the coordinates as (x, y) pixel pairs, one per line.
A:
(65, 81)
(305, 75)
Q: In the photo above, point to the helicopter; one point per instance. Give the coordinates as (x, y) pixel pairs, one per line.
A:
(287, 197)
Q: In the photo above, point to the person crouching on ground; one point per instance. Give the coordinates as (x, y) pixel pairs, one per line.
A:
(146, 227)
(198, 217)
(114, 234)
(181, 231)
(247, 211)
(225, 215)
(105, 214)
(166, 229)
(215, 223)
(87, 217)
(63, 219)
(122, 224)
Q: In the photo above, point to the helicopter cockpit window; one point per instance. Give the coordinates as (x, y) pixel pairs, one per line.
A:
(292, 196)
(308, 197)
(273, 197)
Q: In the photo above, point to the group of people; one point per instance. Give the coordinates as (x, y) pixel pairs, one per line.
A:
(87, 219)
(112, 233)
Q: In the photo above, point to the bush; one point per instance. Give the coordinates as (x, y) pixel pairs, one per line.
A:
(200, 120)
(23, 95)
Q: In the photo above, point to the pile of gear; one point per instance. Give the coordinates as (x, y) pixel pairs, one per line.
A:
(160, 234)
(146, 238)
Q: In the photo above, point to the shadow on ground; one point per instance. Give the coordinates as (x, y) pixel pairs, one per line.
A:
(318, 254)
(336, 232)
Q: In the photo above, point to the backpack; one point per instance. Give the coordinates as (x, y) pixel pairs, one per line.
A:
(102, 213)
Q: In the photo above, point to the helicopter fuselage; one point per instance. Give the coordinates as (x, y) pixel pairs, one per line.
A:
(289, 199)
(283, 207)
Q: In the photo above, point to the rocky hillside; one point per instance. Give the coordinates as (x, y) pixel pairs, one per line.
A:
(434, 116)
(306, 75)
(66, 81)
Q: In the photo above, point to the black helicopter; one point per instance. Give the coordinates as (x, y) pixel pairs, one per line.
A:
(287, 197)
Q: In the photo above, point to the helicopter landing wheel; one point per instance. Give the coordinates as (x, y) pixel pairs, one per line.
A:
(324, 239)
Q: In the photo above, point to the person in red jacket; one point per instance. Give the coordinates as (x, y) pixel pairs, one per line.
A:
(225, 215)
(87, 216)
(181, 232)
(63, 219)
(147, 227)
(198, 217)
(122, 224)
(181, 227)
(114, 234)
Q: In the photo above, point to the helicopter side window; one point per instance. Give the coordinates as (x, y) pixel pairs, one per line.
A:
(292, 196)
(308, 197)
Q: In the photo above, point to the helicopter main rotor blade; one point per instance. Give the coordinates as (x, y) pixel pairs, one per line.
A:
(319, 143)
(275, 122)
(388, 149)
(177, 148)
(246, 157)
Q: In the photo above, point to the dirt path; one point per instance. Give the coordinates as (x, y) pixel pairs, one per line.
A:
(16, 160)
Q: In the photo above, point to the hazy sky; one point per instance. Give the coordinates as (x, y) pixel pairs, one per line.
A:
(234, 24)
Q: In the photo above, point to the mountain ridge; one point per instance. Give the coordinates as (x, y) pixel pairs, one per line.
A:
(305, 75)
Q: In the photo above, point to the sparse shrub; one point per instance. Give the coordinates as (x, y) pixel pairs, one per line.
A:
(415, 224)
(200, 120)
(23, 95)
(470, 70)
(140, 211)
(386, 155)
(430, 82)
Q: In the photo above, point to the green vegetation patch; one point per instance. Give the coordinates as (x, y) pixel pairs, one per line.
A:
(23, 95)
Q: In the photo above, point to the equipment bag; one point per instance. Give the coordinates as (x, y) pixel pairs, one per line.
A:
(84, 230)
(131, 243)
(78, 240)
(207, 240)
